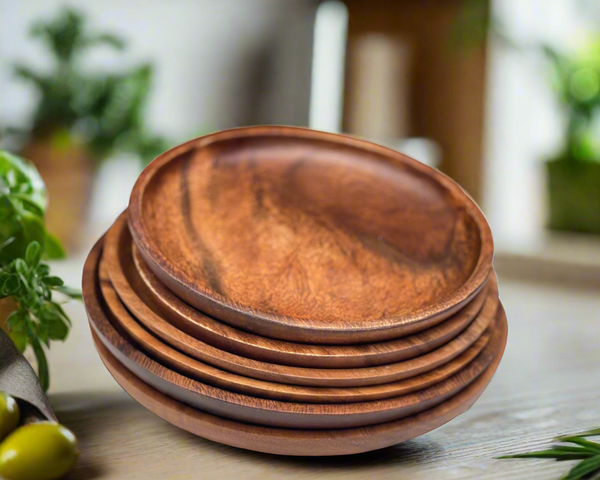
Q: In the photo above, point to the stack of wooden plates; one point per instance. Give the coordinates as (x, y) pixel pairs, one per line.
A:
(296, 292)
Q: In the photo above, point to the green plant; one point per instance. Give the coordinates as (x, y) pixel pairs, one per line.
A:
(105, 110)
(577, 80)
(587, 452)
(24, 243)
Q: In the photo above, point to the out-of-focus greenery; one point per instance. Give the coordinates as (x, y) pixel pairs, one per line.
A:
(576, 78)
(105, 110)
(22, 208)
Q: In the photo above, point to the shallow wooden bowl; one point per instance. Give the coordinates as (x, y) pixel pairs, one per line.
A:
(126, 281)
(195, 323)
(298, 442)
(308, 236)
(262, 411)
(120, 318)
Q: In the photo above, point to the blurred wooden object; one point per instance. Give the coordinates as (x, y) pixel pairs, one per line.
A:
(68, 172)
(447, 80)
(7, 306)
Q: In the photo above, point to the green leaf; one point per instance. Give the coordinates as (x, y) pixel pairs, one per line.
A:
(33, 254)
(10, 286)
(583, 442)
(23, 271)
(57, 330)
(70, 292)
(565, 448)
(15, 318)
(43, 270)
(19, 339)
(53, 281)
(34, 229)
(584, 468)
(42, 332)
(60, 311)
(26, 174)
(40, 356)
(53, 249)
(589, 433)
(551, 454)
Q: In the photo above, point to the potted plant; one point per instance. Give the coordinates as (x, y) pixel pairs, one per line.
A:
(574, 174)
(29, 311)
(81, 117)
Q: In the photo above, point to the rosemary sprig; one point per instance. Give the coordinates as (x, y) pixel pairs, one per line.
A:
(586, 451)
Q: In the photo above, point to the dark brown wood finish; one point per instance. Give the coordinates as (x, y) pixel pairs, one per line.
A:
(245, 344)
(309, 236)
(149, 315)
(281, 441)
(262, 411)
(173, 359)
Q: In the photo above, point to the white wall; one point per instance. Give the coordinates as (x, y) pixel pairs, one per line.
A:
(204, 52)
(524, 121)
(219, 64)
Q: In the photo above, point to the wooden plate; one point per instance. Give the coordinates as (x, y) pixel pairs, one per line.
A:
(148, 313)
(263, 411)
(298, 442)
(187, 366)
(308, 236)
(118, 247)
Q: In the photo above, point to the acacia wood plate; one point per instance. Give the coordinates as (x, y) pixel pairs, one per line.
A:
(195, 323)
(280, 441)
(149, 314)
(190, 367)
(308, 236)
(263, 411)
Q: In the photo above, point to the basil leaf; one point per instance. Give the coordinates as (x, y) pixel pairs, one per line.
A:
(53, 281)
(53, 250)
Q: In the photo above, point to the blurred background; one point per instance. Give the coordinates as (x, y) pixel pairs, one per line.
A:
(500, 95)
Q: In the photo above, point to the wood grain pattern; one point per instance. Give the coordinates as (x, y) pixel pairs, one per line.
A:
(187, 366)
(245, 344)
(308, 236)
(546, 385)
(149, 315)
(262, 411)
(299, 442)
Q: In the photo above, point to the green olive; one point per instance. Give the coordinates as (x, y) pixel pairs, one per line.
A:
(9, 414)
(38, 451)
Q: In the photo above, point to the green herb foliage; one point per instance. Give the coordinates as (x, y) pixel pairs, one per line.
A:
(576, 79)
(105, 110)
(24, 242)
(22, 209)
(586, 451)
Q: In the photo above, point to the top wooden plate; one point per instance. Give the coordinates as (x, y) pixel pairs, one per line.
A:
(309, 236)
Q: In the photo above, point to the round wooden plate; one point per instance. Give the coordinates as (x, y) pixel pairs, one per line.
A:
(308, 236)
(148, 313)
(171, 358)
(280, 441)
(263, 411)
(118, 248)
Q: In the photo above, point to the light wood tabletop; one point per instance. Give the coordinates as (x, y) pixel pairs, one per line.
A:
(548, 384)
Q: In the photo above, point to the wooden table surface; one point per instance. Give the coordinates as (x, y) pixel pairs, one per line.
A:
(548, 384)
